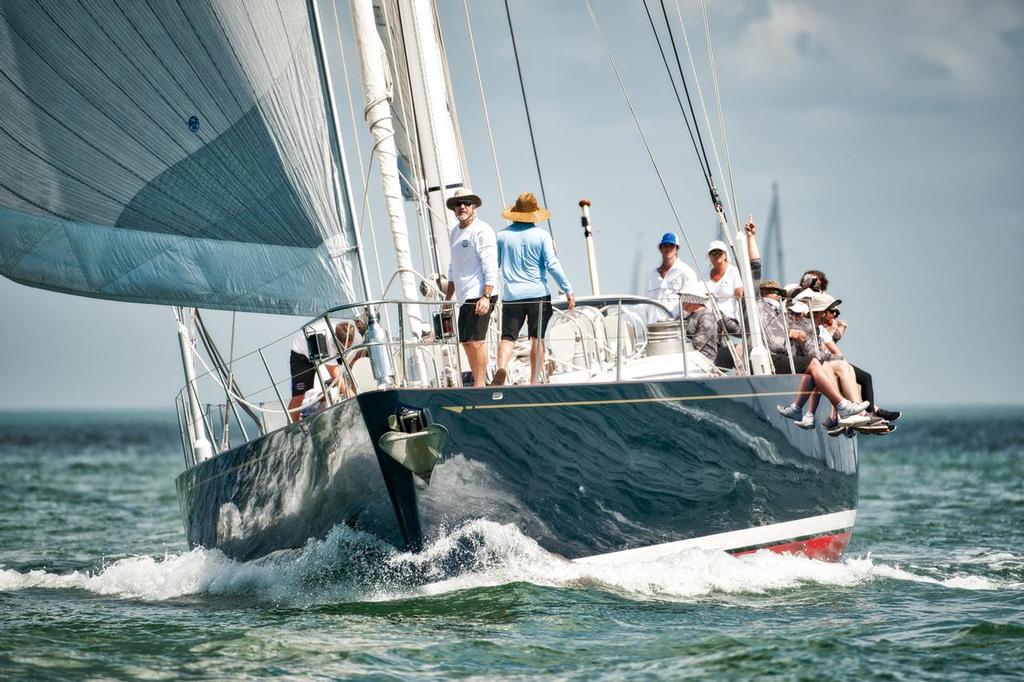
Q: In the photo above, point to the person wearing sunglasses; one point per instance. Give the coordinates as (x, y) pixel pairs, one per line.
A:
(472, 278)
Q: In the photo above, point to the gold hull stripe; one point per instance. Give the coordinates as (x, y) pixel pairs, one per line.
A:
(458, 409)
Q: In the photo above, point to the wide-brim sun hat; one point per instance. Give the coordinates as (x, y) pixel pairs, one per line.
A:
(526, 210)
(772, 286)
(463, 194)
(822, 301)
(718, 245)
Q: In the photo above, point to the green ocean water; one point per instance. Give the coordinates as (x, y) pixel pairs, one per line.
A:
(96, 581)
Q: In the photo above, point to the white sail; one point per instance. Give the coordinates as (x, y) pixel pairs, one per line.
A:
(178, 153)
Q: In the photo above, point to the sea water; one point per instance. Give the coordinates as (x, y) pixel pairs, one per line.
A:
(96, 580)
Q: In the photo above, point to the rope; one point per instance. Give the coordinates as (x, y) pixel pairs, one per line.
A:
(526, 106)
(483, 102)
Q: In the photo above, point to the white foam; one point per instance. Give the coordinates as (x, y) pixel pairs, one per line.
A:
(353, 566)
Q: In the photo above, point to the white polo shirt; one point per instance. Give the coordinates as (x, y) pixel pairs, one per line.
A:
(666, 289)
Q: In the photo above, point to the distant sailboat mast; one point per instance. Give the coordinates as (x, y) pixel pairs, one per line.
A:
(773, 263)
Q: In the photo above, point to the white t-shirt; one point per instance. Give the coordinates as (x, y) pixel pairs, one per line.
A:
(724, 291)
(474, 260)
(300, 346)
(666, 289)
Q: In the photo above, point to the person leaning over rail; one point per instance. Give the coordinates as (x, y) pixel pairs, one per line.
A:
(303, 371)
(699, 322)
(668, 279)
(472, 278)
(525, 257)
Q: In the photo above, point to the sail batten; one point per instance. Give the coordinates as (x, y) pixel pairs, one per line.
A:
(173, 153)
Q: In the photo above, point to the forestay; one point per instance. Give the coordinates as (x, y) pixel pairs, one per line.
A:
(172, 152)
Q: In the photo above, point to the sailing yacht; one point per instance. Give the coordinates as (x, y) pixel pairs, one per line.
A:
(191, 155)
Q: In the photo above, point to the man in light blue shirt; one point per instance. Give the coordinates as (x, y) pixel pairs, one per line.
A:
(525, 258)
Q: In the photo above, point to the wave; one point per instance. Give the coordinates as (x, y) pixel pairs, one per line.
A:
(350, 566)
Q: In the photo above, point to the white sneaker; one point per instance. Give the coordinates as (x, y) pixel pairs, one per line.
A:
(790, 411)
(848, 409)
(807, 421)
(854, 419)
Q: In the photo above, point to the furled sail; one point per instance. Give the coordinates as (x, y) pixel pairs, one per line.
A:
(171, 152)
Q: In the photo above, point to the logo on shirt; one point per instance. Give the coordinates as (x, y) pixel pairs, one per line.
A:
(465, 243)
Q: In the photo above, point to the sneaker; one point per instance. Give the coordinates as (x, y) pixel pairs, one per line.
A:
(848, 409)
(838, 431)
(879, 428)
(888, 415)
(807, 422)
(855, 419)
(830, 424)
(790, 411)
(499, 377)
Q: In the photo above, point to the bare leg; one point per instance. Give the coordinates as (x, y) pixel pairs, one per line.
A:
(504, 353)
(536, 359)
(806, 386)
(476, 351)
(847, 379)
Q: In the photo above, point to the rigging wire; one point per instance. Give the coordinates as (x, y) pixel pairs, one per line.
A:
(721, 112)
(712, 300)
(703, 106)
(526, 106)
(701, 160)
(483, 102)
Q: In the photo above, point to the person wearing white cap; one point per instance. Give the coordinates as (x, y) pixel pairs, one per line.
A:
(668, 279)
(725, 283)
(472, 278)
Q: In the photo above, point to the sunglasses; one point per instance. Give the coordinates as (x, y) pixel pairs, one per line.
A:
(458, 204)
(834, 311)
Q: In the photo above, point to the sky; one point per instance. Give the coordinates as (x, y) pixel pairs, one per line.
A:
(892, 129)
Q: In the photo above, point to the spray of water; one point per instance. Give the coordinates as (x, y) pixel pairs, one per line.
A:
(352, 566)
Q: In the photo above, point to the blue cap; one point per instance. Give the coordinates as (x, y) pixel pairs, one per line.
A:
(669, 238)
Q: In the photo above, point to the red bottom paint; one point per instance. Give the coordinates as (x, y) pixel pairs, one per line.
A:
(824, 547)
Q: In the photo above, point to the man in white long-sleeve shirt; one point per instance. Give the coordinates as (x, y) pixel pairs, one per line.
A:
(472, 278)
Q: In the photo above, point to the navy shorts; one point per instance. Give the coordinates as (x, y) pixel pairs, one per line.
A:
(514, 313)
(303, 374)
(473, 327)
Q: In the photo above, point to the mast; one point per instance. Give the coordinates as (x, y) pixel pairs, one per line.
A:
(376, 95)
(433, 116)
(338, 148)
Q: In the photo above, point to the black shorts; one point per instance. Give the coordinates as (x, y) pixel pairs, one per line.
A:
(514, 313)
(781, 362)
(473, 327)
(303, 374)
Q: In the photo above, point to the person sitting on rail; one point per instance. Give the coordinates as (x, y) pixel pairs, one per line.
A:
(668, 279)
(699, 322)
(832, 330)
(822, 377)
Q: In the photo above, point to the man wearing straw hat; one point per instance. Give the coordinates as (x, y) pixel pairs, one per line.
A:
(525, 257)
(472, 278)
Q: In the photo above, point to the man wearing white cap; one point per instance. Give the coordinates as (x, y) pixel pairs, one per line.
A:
(472, 278)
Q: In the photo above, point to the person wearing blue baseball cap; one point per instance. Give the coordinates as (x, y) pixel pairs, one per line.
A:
(667, 280)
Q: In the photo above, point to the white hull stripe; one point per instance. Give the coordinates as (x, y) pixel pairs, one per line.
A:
(758, 536)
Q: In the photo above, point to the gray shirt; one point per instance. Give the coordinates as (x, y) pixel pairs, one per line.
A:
(702, 331)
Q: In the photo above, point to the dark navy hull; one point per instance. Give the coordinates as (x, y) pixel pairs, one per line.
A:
(584, 469)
